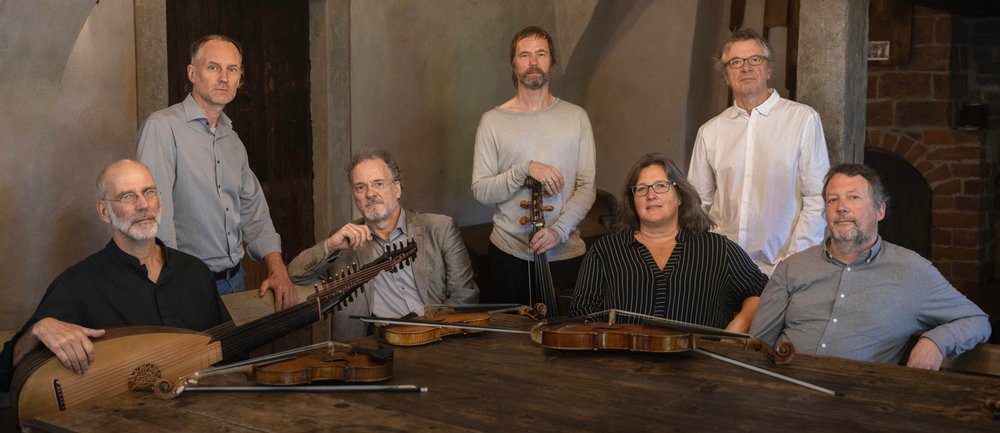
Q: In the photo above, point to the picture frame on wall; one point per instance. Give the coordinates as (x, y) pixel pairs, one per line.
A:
(878, 50)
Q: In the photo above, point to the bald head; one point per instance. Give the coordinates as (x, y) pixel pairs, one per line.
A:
(129, 201)
(117, 170)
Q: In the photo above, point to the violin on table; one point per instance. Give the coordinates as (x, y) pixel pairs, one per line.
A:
(289, 370)
(439, 321)
(651, 334)
(416, 335)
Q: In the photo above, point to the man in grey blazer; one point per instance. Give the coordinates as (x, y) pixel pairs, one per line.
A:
(440, 274)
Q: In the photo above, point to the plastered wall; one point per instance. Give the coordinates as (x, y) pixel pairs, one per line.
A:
(422, 74)
(67, 107)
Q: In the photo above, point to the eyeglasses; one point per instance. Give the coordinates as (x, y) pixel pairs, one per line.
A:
(131, 197)
(657, 187)
(377, 185)
(737, 62)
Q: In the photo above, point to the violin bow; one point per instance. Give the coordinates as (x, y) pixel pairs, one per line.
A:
(311, 388)
(372, 319)
(783, 355)
(431, 309)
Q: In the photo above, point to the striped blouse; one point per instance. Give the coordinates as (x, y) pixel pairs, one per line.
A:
(705, 280)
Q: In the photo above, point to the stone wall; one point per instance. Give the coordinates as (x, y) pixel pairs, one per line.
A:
(910, 113)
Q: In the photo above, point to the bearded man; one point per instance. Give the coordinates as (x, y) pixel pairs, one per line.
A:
(549, 139)
(859, 297)
(440, 274)
(134, 280)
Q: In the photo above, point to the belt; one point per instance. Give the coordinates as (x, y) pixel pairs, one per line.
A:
(228, 273)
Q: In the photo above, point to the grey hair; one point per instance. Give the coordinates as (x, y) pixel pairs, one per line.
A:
(743, 35)
(367, 154)
(880, 196)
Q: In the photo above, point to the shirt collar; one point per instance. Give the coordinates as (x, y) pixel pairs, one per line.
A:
(682, 236)
(194, 113)
(116, 254)
(400, 226)
(865, 258)
(764, 108)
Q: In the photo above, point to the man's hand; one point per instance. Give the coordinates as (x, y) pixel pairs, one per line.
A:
(278, 281)
(546, 239)
(351, 236)
(548, 175)
(68, 342)
(925, 355)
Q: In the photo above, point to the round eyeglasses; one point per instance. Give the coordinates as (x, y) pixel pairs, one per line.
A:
(131, 197)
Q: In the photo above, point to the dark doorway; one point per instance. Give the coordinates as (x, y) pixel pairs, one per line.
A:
(908, 218)
(271, 109)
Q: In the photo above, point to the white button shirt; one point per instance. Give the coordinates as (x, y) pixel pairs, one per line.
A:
(760, 177)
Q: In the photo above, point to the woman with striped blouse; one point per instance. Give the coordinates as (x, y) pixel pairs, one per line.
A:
(663, 261)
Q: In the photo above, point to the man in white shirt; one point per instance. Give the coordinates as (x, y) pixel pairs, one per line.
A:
(759, 165)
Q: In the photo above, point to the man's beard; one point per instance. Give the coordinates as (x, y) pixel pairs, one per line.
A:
(373, 215)
(852, 241)
(533, 83)
(136, 232)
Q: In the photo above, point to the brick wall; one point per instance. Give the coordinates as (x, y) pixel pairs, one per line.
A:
(909, 112)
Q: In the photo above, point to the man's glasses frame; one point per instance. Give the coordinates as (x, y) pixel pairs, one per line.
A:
(131, 197)
(737, 62)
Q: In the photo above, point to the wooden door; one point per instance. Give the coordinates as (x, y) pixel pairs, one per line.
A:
(271, 109)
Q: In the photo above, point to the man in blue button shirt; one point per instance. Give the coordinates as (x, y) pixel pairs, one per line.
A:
(859, 297)
(212, 202)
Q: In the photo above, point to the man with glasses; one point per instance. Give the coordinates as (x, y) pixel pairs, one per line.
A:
(441, 273)
(539, 135)
(134, 280)
(212, 202)
(759, 165)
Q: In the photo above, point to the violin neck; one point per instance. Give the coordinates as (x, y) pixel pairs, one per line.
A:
(540, 279)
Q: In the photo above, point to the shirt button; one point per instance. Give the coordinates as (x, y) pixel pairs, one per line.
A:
(848, 268)
(841, 295)
(834, 320)
(823, 345)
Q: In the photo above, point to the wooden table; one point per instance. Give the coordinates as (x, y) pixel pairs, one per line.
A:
(506, 383)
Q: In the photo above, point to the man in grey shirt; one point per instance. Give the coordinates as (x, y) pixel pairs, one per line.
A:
(534, 134)
(212, 202)
(441, 273)
(859, 297)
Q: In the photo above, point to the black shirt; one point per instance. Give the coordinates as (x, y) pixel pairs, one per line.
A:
(705, 280)
(111, 289)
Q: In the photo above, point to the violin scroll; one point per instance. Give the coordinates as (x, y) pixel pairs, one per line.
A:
(783, 355)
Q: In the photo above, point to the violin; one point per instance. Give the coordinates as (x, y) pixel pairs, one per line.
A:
(317, 362)
(615, 336)
(540, 279)
(416, 335)
(653, 334)
(356, 366)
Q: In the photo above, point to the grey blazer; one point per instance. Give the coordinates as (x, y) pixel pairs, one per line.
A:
(442, 270)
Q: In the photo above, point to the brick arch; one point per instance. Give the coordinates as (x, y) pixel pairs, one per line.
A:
(951, 163)
(907, 220)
